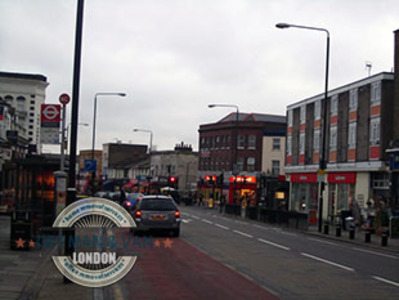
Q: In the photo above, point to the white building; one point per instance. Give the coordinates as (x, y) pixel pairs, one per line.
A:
(25, 93)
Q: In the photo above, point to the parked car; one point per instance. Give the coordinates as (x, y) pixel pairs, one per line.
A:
(157, 212)
(131, 200)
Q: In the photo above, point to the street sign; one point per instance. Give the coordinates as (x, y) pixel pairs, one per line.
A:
(90, 165)
(64, 99)
(51, 113)
(50, 123)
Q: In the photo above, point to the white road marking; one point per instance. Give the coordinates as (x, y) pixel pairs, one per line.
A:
(186, 214)
(186, 221)
(222, 226)
(243, 233)
(375, 253)
(274, 244)
(206, 221)
(328, 262)
(288, 233)
(240, 222)
(195, 217)
(260, 227)
(322, 241)
(386, 281)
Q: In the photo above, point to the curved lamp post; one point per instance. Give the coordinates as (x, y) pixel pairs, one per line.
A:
(94, 125)
(323, 159)
(234, 169)
(148, 131)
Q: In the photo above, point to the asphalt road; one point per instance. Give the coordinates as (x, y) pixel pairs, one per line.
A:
(291, 264)
(220, 257)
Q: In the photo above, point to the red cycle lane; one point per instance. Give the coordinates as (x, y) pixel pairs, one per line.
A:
(173, 269)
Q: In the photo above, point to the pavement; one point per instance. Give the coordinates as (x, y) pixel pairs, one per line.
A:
(31, 274)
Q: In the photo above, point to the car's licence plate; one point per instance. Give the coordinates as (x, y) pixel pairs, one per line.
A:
(157, 217)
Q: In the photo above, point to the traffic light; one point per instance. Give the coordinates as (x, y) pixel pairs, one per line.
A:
(173, 181)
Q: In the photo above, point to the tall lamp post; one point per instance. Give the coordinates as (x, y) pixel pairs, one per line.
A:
(234, 168)
(151, 134)
(323, 158)
(94, 126)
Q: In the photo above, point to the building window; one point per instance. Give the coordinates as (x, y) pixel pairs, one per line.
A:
(353, 99)
(240, 141)
(375, 93)
(30, 133)
(317, 110)
(303, 114)
(32, 108)
(252, 142)
(302, 143)
(251, 164)
(375, 131)
(228, 140)
(333, 138)
(289, 117)
(240, 163)
(334, 105)
(289, 143)
(352, 135)
(217, 141)
(380, 181)
(276, 145)
(222, 142)
(275, 167)
(316, 140)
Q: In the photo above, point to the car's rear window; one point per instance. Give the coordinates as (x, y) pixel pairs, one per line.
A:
(157, 204)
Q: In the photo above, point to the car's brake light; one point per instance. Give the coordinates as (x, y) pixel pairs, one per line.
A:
(177, 214)
(128, 204)
(138, 214)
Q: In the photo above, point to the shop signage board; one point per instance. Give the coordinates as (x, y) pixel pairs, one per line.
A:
(50, 123)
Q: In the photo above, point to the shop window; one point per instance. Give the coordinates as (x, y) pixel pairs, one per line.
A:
(380, 181)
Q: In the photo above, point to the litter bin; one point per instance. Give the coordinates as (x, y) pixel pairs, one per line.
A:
(21, 230)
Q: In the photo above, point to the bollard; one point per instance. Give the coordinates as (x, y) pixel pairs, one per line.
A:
(326, 227)
(352, 232)
(367, 236)
(338, 230)
(384, 238)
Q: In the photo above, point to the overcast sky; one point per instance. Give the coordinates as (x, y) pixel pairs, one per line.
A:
(173, 58)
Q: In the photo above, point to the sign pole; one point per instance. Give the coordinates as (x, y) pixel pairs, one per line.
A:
(64, 100)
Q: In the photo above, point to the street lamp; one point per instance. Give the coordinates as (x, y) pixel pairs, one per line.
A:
(94, 125)
(148, 131)
(323, 159)
(67, 132)
(235, 170)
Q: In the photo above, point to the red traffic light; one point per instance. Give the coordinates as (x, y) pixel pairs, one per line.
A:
(172, 179)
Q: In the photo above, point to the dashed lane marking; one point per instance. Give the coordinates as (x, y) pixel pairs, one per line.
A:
(328, 262)
(243, 234)
(386, 281)
(274, 244)
(222, 226)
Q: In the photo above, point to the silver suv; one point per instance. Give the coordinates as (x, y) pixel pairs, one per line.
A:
(157, 213)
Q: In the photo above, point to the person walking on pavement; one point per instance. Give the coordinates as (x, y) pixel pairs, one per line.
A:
(222, 203)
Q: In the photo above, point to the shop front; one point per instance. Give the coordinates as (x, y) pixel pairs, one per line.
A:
(341, 188)
(304, 194)
(245, 189)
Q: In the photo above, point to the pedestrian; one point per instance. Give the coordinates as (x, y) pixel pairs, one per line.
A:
(222, 203)
(200, 198)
